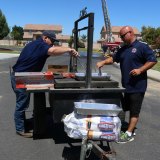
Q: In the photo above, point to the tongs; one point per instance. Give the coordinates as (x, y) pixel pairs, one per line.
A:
(83, 67)
(99, 71)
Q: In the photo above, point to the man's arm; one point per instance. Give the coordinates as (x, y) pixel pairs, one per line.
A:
(142, 69)
(58, 50)
(105, 62)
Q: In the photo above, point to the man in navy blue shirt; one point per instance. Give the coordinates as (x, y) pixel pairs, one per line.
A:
(32, 59)
(135, 59)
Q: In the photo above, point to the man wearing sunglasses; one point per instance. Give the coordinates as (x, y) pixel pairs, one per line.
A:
(32, 59)
(135, 59)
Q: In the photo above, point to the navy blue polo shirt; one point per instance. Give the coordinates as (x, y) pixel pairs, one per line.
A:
(32, 57)
(133, 57)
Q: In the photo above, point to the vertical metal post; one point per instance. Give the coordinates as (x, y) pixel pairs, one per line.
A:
(73, 60)
(89, 50)
(83, 149)
(75, 46)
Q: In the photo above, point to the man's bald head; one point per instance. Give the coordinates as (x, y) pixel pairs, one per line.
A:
(127, 34)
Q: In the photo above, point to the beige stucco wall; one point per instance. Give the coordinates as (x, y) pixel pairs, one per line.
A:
(8, 42)
(95, 45)
(14, 42)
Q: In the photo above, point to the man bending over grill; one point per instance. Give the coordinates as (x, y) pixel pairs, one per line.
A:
(32, 59)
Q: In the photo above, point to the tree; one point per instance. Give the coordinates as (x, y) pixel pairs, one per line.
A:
(157, 41)
(17, 33)
(70, 42)
(80, 44)
(83, 38)
(4, 29)
(151, 36)
(157, 45)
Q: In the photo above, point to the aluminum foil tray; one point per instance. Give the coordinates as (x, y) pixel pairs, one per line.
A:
(96, 109)
(95, 76)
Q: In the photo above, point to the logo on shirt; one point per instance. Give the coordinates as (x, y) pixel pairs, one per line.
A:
(134, 50)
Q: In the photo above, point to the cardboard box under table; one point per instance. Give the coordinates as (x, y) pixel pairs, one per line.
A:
(58, 68)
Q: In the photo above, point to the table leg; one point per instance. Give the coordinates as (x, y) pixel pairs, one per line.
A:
(39, 113)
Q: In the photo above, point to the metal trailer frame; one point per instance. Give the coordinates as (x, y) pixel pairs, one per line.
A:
(39, 112)
(73, 61)
(90, 145)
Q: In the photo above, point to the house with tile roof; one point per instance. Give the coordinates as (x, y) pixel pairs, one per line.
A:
(34, 31)
(115, 33)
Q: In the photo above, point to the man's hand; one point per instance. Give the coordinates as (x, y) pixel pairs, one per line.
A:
(73, 52)
(144, 68)
(135, 72)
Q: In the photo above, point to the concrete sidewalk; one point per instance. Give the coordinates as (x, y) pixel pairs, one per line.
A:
(8, 55)
(154, 75)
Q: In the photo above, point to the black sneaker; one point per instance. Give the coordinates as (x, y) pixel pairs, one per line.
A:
(25, 134)
(124, 138)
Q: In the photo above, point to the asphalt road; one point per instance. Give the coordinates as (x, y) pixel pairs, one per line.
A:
(13, 147)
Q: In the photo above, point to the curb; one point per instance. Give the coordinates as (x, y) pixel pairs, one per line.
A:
(153, 78)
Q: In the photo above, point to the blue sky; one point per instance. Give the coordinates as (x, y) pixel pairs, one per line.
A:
(64, 12)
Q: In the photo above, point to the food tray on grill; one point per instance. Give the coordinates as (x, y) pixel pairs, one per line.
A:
(96, 109)
(94, 76)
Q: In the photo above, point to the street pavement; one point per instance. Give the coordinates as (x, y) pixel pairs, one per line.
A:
(57, 147)
(152, 74)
